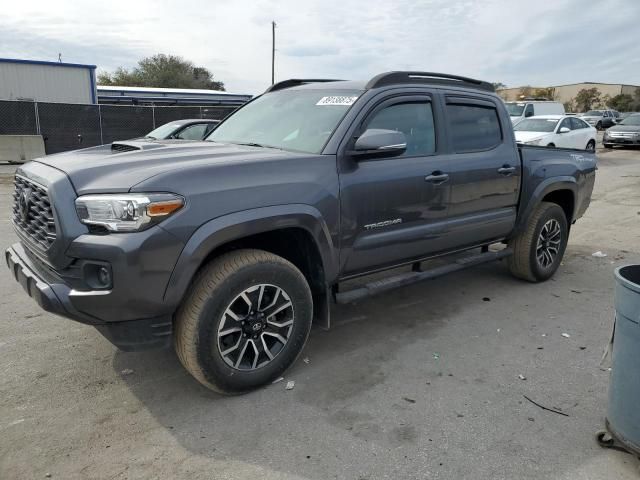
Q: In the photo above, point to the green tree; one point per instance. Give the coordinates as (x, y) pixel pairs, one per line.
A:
(587, 98)
(570, 106)
(162, 71)
(499, 85)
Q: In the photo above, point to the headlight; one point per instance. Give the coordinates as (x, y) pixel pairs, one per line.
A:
(127, 212)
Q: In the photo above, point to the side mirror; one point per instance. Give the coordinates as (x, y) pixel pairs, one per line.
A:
(564, 130)
(380, 142)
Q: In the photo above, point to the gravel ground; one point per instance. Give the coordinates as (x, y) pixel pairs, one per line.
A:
(419, 383)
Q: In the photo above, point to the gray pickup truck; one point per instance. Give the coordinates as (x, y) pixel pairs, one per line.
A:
(232, 247)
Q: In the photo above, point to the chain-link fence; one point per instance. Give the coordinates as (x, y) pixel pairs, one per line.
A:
(66, 126)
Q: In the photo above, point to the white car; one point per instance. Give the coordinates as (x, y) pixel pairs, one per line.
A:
(562, 131)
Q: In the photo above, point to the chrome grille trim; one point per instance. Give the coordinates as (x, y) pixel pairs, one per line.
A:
(37, 222)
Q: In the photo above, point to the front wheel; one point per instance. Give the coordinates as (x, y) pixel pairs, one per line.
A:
(551, 145)
(244, 322)
(607, 145)
(599, 126)
(591, 146)
(538, 250)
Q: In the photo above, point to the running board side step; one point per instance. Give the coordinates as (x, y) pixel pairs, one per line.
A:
(408, 278)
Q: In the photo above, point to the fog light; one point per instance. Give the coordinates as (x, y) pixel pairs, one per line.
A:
(97, 276)
(104, 276)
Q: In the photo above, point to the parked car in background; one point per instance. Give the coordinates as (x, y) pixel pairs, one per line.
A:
(627, 132)
(623, 115)
(518, 111)
(601, 119)
(562, 131)
(188, 129)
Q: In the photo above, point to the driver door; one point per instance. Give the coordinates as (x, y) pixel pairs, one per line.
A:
(393, 209)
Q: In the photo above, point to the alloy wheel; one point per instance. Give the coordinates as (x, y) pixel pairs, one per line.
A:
(548, 246)
(255, 327)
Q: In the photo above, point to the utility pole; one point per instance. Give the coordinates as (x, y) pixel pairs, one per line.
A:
(273, 53)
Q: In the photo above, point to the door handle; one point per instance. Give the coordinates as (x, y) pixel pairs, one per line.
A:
(506, 170)
(437, 177)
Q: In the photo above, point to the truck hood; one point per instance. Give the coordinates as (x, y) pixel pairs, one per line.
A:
(120, 166)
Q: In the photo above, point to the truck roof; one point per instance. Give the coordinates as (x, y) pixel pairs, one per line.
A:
(387, 79)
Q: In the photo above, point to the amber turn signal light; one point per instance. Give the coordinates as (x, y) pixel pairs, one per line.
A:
(158, 209)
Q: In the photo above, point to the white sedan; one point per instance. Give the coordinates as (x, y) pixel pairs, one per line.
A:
(562, 131)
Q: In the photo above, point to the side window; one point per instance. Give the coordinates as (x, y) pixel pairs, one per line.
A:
(415, 120)
(577, 124)
(193, 132)
(473, 127)
(528, 112)
(566, 123)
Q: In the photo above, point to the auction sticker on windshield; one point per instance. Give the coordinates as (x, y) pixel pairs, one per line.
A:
(339, 100)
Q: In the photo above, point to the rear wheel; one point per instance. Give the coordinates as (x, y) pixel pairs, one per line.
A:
(599, 126)
(245, 321)
(551, 145)
(538, 250)
(591, 146)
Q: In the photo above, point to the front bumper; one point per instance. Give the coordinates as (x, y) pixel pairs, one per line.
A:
(621, 141)
(54, 294)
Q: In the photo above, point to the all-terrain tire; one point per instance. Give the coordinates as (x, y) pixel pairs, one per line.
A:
(196, 333)
(524, 262)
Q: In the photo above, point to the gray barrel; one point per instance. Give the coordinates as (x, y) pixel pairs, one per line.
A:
(623, 414)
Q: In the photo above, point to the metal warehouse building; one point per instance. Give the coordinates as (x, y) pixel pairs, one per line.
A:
(566, 93)
(167, 96)
(38, 81)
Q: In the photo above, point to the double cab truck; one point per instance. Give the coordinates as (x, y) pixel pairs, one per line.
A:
(230, 248)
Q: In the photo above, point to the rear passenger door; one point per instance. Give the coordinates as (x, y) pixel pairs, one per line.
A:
(484, 169)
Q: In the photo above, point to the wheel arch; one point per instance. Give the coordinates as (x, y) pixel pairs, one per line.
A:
(559, 190)
(295, 232)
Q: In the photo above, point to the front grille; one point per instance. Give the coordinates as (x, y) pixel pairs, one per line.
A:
(32, 214)
(622, 134)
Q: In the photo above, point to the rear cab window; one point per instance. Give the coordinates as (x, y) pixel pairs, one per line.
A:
(473, 125)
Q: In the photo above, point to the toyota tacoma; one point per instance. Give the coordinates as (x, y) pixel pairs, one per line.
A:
(232, 247)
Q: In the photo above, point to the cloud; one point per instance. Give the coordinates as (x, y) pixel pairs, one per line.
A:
(310, 51)
(507, 41)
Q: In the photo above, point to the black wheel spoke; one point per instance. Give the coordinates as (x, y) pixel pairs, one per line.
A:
(255, 327)
(548, 245)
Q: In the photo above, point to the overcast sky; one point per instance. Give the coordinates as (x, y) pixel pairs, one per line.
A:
(511, 41)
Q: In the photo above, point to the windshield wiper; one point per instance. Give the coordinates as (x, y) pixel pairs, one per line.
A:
(254, 144)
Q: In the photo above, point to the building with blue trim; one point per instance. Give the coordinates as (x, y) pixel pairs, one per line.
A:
(167, 96)
(40, 81)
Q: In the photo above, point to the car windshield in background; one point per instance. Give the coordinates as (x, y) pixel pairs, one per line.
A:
(593, 113)
(297, 120)
(631, 120)
(515, 109)
(163, 131)
(536, 125)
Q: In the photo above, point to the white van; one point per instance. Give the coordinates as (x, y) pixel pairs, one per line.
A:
(530, 108)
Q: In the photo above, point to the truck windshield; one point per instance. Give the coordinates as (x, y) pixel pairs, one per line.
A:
(297, 120)
(515, 109)
(536, 125)
(594, 113)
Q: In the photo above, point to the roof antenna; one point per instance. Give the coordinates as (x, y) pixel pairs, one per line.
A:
(60, 57)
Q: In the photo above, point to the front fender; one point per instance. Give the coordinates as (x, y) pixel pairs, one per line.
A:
(544, 188)
(235, 226)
